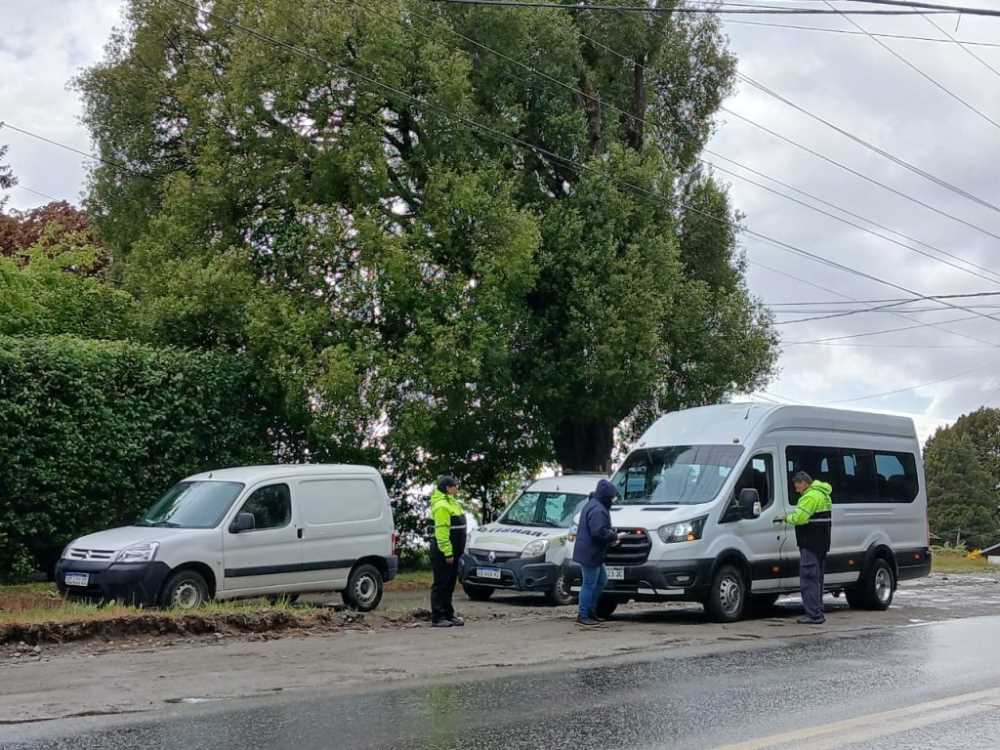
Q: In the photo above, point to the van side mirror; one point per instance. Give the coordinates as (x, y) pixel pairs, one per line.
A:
(243, 522)
(749, 501)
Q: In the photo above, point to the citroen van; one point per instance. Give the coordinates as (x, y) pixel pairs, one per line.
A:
(704, 493)
(244, 532)
(526, 548)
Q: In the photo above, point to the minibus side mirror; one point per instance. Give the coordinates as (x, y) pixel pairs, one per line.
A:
(749, 503)
(243, 522)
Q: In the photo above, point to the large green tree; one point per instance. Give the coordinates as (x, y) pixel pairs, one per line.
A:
(961, 490)
(431, 294)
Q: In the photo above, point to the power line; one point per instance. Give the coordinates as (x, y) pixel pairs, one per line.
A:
(961, 44)
(900, 329)
(965, 295)
(40, 194)
(858, 216)
(917, 387)
(849, 32)
(86, 154)
(870, 146)
(643, 121)
(744, 9)
(493, 132)
(856, 173)
(912, 66)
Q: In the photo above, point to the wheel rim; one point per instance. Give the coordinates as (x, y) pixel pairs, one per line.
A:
(883, 585)
(730, 594)
(186, 596)
(562, 590)
(365, 590)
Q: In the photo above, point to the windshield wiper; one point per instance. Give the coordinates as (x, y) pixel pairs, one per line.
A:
(159, 524)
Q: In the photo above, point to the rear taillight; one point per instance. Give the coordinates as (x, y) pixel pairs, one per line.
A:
(395, 541)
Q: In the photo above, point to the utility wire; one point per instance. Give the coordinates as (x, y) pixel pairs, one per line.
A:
(86, 154)
(40, 194)
(962, 44)
(849, 32)
(968, 105)
(965, 295)
(869, 145)
(643, 121)
(900, 329)
(744, 9)
(917, 387)
(493, 132)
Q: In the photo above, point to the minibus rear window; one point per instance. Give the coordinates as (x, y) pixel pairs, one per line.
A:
(676, 475)
(857, 475)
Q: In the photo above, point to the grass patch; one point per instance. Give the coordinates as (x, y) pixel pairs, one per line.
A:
(946, 560)
(411, 580)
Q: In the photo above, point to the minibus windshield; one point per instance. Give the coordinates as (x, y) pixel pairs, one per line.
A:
(192, 505)
(676, 474)
(549, 509)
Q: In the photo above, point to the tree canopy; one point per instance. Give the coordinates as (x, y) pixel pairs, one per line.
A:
(447, 261)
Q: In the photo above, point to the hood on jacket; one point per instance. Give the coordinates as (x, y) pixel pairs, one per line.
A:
(605, 492)
(821, 487)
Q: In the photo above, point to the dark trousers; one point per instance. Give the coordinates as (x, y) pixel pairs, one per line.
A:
(443, 588)
(811, 566)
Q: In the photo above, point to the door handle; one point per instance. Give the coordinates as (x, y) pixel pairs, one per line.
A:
(300, 533)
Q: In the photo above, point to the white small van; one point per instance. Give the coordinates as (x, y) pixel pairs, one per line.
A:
(704, 492)
(526, 548)
(250, 531)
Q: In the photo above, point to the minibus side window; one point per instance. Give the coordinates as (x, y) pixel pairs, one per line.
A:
(897, 477)
(758, 475)
(856, 475)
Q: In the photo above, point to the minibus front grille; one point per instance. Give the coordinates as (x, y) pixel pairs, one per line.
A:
(632, 550)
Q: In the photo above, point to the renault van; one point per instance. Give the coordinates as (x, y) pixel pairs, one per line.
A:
(704, 493)
(243, 532)
(526, 548)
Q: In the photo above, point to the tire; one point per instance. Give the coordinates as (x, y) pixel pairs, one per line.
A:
(876, 588)
(477, 593)
(185, 590)
(560, 595)
(364, 588)
(606, 607)
(727, 599)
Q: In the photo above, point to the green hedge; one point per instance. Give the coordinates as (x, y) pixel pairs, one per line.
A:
(92, 431)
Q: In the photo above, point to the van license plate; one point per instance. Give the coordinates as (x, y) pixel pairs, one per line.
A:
(616, 573)
(77, 579)
(491, 573)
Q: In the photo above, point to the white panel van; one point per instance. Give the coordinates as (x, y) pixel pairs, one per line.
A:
(525, 549)
(704, 492)
(250, 531)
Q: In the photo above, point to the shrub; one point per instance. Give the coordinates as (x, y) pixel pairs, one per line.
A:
(91, 432)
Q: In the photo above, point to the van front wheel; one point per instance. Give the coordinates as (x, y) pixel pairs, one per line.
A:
(560, 594)
(728, 596)
(185, 590)
(364, 588)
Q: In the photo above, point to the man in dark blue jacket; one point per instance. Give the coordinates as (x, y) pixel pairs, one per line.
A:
(593, 537)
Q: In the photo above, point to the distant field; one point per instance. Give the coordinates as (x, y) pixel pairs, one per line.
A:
(956, 561)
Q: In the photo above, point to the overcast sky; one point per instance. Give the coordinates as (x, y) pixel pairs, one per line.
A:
(847, 79)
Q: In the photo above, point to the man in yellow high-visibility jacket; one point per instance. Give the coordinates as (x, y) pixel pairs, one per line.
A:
(447, 546)
(813, 522)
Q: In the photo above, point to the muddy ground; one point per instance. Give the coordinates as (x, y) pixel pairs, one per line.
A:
(509, 633)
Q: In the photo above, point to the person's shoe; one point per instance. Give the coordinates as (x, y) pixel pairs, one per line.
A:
(457, 621)
(587, 622)
(441, 624)
(807, 620)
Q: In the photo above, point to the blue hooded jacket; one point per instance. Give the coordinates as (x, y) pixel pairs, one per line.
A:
(595, 533)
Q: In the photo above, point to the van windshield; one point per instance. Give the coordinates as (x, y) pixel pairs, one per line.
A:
(192, 505)
(550, 509)
(675, 475)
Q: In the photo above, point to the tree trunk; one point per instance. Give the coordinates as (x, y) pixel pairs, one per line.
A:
(584, 446)
(634, 130)
(592, 108)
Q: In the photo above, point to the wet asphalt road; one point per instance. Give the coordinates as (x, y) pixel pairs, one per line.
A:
(890, 689)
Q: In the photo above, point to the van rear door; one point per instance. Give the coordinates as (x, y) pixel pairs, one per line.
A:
(343, 519)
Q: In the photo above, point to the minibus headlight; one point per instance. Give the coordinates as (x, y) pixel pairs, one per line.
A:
(684, 531)
(138, 553)
(536, 548)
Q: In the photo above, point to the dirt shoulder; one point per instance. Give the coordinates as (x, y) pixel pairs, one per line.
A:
(140, 674)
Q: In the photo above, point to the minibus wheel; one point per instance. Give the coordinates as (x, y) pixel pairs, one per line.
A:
(185, 589)
(477, 593)
(364, 588)
(560, 594)
(875, 589)
(728, 596)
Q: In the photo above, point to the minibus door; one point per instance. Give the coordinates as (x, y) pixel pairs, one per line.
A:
(763, 537)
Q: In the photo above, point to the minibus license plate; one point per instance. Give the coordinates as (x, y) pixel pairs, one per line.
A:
(488, 573)
(616, 573)
(77, 579)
